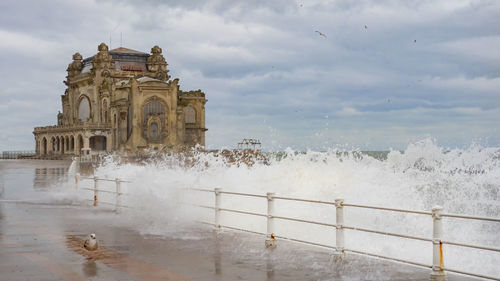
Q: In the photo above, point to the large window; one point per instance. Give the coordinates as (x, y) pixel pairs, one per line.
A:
(84, 109)
(154, 108)
(189, 115)
(154, 121)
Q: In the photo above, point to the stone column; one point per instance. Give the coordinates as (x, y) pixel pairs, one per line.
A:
(86, 142)
(37, 146)
(75, 147)
(109, 142)
(49, 144)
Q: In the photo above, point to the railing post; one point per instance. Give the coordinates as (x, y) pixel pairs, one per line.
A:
(95, 190)
(217, 208)
(118, 194)
(270, 238)
(77, 179)
(339, 225)
(437, 273)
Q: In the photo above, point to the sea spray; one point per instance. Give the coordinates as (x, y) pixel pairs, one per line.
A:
(424, 175)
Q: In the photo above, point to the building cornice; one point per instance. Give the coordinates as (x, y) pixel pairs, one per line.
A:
(71, 128)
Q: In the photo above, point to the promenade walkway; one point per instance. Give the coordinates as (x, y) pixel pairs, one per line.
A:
(43, 242)
(40, 241)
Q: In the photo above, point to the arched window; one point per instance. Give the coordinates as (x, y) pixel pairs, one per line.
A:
(189, 115)
(44, 146)
(105, 111)
(84, 109)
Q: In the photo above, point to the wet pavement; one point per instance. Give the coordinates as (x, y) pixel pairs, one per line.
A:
(42, 240)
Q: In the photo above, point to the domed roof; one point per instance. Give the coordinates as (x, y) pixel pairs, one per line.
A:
(126, 51)
(125, 59)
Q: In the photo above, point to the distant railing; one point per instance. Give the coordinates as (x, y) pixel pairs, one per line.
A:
(16, 154)
(93, 157)
(437, 266)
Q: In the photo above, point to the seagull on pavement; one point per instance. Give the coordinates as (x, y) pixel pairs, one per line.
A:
(91, 243)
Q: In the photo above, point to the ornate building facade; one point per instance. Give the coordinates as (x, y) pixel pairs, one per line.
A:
(123, 100)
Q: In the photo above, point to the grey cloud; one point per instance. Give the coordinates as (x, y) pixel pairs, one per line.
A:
(265, 69)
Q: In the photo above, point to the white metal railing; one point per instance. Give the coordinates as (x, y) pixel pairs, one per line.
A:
(118, 190)
(437, 266)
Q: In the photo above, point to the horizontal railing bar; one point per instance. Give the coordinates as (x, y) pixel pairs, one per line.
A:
(33, 202)
(387, 209)
(305, 242)
(471, 274)
(243, 194)
(101, 190)
(230, 227)
(202, 206)
(241, 229)
(205, 222)
(388, 258)
(470, 217)
(106, 180)
(201, 189)
(387, 233)
(111, 204)
(303, 200)
(242, 212)
(306, 221)
(102, 179)
(471, 246)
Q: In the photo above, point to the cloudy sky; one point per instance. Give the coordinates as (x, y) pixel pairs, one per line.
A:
(385, 73)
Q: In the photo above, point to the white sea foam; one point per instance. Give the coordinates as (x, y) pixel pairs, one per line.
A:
(424, 175)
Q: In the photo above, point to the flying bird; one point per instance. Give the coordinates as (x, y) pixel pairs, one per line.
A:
(415, 41)
(321, 33)
(91, 243)
(366, 27)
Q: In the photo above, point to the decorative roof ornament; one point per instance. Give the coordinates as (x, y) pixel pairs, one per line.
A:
(102, 47)
(156, 63)
(75, 67)
(102, 59)
(156, 50)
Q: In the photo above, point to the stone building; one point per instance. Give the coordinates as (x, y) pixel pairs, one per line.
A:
(123, 100)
